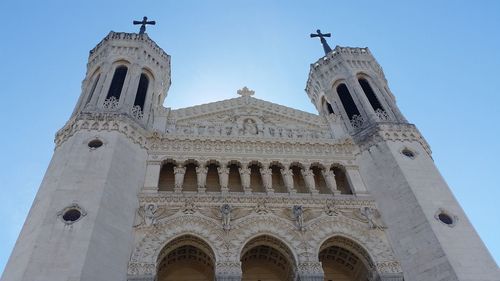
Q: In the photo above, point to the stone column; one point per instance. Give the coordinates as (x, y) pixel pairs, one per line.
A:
(310, 271)
(267, 179)
(356, 183)
(223, 178)
(309, 179)
(361, 97)
(331, 183)
(201, 176)
(245, 179)
(130, 86)
(179, 178)
(228, 271)
(152, 178)
(287, 174)
(98, 91)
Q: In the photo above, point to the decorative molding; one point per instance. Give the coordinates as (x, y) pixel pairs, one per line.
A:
(397, 132)
(103, 121)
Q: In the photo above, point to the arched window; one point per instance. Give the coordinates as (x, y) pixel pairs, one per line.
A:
(341, 180)
(212, 182)
(167, 180)
(372, 98)
(190, 181)
(142, 90)
(115, 90)
(347, 101)
(298, 180)
(234, 181)
(255, 177)
(277, 178)
(92, 90)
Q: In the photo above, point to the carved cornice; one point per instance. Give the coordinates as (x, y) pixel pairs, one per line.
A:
(381, 132)
(203, 146)
(103, 122)
(241, 199)
(206, 147)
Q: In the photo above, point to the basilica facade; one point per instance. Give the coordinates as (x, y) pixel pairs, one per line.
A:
(242, 189)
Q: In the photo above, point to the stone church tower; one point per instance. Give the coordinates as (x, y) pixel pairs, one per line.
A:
(242, 189)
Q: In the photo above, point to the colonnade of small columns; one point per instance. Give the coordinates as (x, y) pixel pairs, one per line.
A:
(254, 176)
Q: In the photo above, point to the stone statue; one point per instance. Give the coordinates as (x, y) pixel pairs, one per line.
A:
(372, 217)
(298, 214)
(149, 215)
(267, 180)
(329, 176)
(249, 127)
(201, 176)
(226, 216)
(331, 210)
(179, 177)
(288, 179)
(223, 177)
(245, 178)
(309, 180)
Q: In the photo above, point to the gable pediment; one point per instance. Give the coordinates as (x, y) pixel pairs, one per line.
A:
(247, 117)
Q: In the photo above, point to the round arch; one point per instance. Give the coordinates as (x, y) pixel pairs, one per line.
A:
(267, 257)
(344, 259)
(147, 251)
(186, 257)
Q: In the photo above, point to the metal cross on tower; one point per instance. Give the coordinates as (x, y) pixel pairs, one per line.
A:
(143, 24)
(322, 36)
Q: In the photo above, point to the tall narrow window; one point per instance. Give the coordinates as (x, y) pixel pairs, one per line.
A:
(142, 90)
(115, 90)
(92, 90)
(370, 94)
(347, 101)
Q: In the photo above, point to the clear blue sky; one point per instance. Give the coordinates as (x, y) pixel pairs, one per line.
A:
(441, 59)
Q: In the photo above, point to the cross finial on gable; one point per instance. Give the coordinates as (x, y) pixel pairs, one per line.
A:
(245, 92)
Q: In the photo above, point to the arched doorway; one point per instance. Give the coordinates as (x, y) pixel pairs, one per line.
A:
(266, 258)
(344, 260)
(186, 258)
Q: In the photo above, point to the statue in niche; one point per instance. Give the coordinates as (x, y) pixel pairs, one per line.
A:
(179, 177)
(287, 179)
(309, 179)
(201, 176)
(249, 127)
(245, 178)
(329, 176)
(223, 177)
(266, 175)
(226, 216)
(298, 214)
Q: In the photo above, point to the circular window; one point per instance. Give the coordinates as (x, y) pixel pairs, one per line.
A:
(71, 215)
(446, 219)
(93, 144)
(408, 153)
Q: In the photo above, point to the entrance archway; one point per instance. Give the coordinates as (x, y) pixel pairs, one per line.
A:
(266, 258)
(186, 258)
(344, 260)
